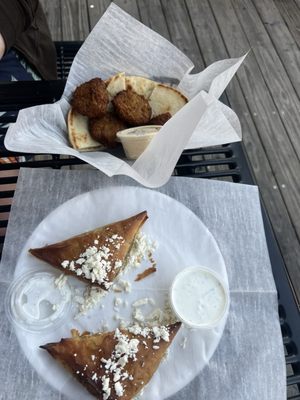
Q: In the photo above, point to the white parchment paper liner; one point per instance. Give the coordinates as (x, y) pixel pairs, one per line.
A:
(121, 43)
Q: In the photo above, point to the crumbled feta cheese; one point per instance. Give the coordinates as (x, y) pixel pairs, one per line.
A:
(95, 263)
(143, 301)
(138, 330)
(124, 350)
(138, 315)
(141, 248)
(156, 316)
(60, 281)
(118, 301)
(80, 261)
(94, 377)
(118, 264)
(122, 324)
(161, 332)
(65, 263)
(155, 347)
(126, 286)
(72, 266)
(158, 332)
(117, 288)
(91, 298)
(93, 357)
(105, 387)
(119, 389)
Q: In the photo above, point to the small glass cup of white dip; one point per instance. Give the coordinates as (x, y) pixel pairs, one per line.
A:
(135, 140)
(37, 301)
(199, 297)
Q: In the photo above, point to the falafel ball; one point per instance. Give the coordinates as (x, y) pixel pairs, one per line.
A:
(104, 129)
(132, 108)
(160, 119)
(91, 98)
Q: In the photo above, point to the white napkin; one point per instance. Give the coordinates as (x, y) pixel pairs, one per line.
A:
(120, 43)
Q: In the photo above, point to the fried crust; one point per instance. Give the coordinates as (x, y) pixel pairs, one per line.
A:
(77, 354)
(91, 98)
(160, 119)
(132, 108)
(104, 129)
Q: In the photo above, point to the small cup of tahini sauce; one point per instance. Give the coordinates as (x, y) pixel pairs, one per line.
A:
(135, 140)
(199, 297)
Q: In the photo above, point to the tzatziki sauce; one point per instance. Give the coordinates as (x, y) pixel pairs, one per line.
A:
(198, 297)
(35, 302)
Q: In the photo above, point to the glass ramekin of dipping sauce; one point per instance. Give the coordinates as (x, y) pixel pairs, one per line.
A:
(135, 140)
(37, 301)
(199, 298)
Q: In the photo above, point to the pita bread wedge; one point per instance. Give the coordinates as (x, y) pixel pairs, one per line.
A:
(116, 84)
(165, 99)
(79, 135)
(142, 86)
(114, 365)
(96, 257)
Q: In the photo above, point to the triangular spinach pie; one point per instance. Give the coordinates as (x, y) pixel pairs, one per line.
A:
(114, 365)
(98, 256)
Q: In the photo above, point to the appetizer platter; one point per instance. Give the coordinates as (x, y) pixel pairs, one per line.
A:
(101, 110)
(119, 338)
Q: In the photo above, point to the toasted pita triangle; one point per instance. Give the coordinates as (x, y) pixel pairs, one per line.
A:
(165, 99)
(142, 86)
(83, 355)
(79, 135)
(111, 244)
(116, 84)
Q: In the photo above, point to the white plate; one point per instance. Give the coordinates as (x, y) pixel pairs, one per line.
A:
(183, 241)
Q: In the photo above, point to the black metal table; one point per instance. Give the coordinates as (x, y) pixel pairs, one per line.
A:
(226, 162)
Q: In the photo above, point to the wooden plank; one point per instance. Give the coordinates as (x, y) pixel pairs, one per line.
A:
(290, 12)
(52, 10)
(96, 9)
(152, 15)
(282, 159)
(75, 22)
(282, 39)
(181, 31)
(274, 73)
(130, 6)
(297, 3)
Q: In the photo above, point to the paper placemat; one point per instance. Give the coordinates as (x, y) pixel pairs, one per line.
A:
(249, 362)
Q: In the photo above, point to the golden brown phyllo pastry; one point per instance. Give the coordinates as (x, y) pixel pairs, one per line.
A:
(97, 256)
(114, 365)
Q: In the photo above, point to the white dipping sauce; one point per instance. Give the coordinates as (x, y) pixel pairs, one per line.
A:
(198, 297)
(35, 302)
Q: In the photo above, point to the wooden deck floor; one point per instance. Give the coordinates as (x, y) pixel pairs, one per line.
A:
(265, 94)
